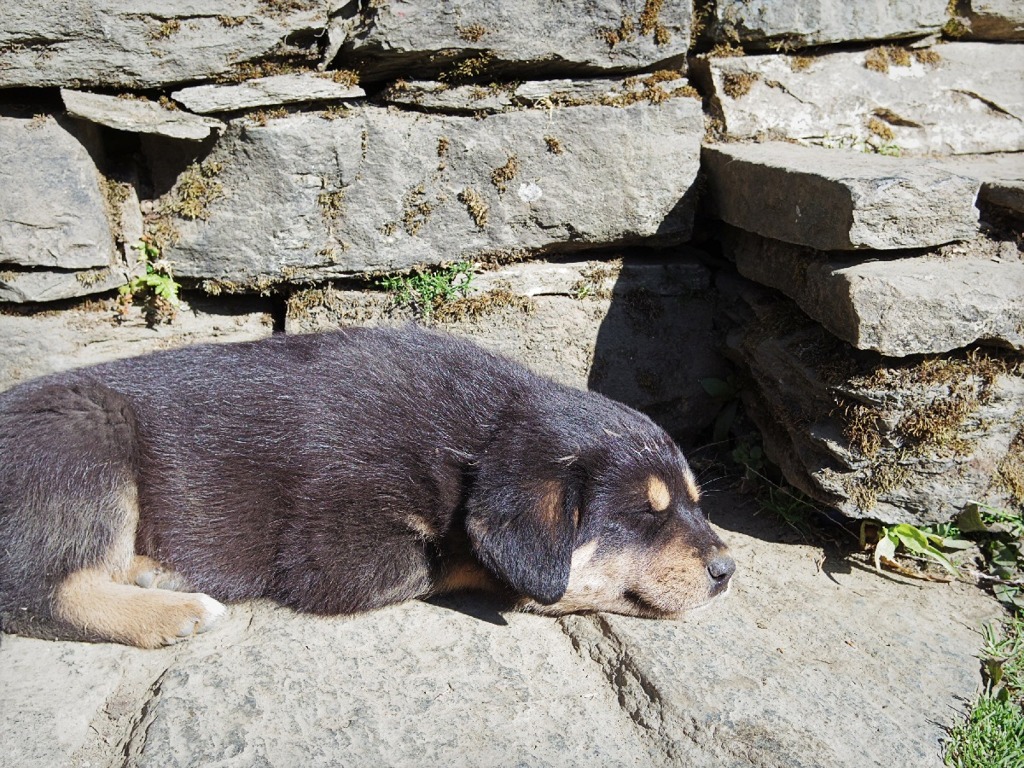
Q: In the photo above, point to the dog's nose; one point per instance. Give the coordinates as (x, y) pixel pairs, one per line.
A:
(721, 569)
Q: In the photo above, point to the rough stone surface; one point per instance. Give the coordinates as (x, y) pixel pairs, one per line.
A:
(532, 36)
(970, 100)
(1001, 177)
(476, 99)
(909, 441)
(799, 665)
(21, 286)
(145, 43)
(638, 330)
(761, 24)
(137, 115)
(265, 92)
(995, 20)
(51, 203)
(916, 304)
(37, 343)
(837, 200)
(304, 196)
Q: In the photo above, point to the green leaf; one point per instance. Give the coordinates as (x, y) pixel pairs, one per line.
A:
(886, 548)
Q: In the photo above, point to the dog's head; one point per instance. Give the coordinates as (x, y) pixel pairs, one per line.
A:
(582, 504)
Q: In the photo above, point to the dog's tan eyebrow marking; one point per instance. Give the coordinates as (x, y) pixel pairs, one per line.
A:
(691, 486)
(657, 493)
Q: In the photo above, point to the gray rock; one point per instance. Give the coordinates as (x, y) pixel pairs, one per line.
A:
(138, 115)
(33, 285)
(831, 199)
(265, 92)
(902, 441)
(765, 24)
(52, 210)
(146, 43)
(308, 197)
(798, 665)
(967, 101)
(475, 99)
(1001, 177)
(915, 304)
(527, 38)
(994, 20)
(637, 330)
(37, 343)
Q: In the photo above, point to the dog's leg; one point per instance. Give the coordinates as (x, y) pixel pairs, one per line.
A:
(147, 572)
(69, 514)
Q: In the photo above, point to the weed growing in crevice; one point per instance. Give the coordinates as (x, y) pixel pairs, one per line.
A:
(155, 291)
(426, 290)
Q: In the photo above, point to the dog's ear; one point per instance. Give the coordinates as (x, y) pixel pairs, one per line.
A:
(520, 516)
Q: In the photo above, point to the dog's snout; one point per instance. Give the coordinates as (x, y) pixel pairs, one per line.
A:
(721, 568)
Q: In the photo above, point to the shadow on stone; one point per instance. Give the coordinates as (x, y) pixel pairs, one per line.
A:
(484, 607)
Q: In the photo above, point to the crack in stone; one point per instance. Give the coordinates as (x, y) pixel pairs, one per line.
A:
(592, 638)
(138, 730)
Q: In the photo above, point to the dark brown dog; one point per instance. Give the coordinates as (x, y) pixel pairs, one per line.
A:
(335, 473)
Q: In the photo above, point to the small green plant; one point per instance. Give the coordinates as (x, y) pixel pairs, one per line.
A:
(155, 290)
(921, 542)
(427, 289)
(992, 734)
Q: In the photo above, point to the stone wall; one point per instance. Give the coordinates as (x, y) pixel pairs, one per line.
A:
(825, 195)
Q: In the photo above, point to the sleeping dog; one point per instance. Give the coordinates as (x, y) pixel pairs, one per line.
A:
(335, 473)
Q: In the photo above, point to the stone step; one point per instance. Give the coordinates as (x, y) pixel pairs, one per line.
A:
(305, 196)
(638, 330)
(1001, 177)
(766, 24)
(37, 343)
(839, 200)
(910, 440)
(914, 304)
(957, 98)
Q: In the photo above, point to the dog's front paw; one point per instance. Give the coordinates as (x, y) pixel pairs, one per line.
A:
(202, 612)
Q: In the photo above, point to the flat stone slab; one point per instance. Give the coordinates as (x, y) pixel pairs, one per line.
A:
(146, 44)
(138, 115)
(639, 330)
(958, 98)
(25, 286)
(1001, 177)
(52, 209)
(839, 200)
(799, 665)
(306, 197)
(911, 440)
(265, 92)
(550, 94)
(764, 24)
(41, 342)
(463, 38)
(915, 304)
